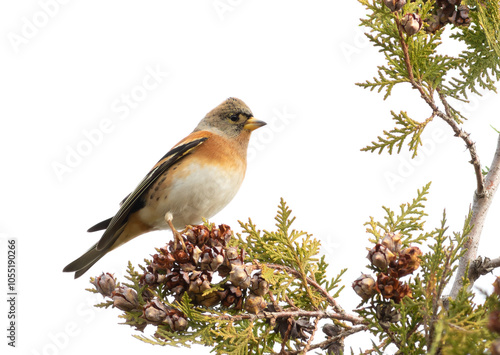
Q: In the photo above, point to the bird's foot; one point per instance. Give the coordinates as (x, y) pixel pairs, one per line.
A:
(177, 236)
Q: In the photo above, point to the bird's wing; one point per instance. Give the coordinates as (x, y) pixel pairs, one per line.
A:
(134, 201)
(104, 224)
(100, 226)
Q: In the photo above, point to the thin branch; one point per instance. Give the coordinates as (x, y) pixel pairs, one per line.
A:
(308, 345)
(381, 345)
(471, 146)
(427, 98)
(285, 314)
(306, 282)
(277, 307)
(291, 303)
(480, 208)
(442, 281)
(324, 344)
(459, 328)
(437, 300)
(447, 116)
(392, 337)
(286, 337)
(311, 282)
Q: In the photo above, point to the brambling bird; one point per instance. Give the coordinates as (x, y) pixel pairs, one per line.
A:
(196, 179)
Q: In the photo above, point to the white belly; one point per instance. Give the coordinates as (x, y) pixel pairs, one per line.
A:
(201, 193)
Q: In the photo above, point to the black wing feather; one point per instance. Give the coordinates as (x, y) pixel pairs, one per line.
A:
(100, 226)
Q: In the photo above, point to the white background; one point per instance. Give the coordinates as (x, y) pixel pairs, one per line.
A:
(68, 68)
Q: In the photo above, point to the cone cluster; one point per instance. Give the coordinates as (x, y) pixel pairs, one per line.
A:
(448, 11)
(337, 347)
(126, 299)
(156, 312)
(445, 12)
(387, 314)
(191, 268)
(392, 263)
(291, 328)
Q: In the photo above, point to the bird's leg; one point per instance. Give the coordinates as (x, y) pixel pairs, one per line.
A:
(177, 236)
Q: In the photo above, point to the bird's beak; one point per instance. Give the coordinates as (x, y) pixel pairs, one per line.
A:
(253, 123)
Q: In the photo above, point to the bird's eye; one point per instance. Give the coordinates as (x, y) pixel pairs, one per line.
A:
(234, 118)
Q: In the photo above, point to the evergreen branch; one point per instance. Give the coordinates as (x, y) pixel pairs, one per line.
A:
(489, 18)
(286, 337)
(311, 282)
(334, 339)
(410, 219)
(286, 314)
(427, 66)
(291, 248)
(236, 340)
(448, 116)
(427, 98)
(458, 326)
(397, 136)
(391, 336)
(105, 304)
(382, 82)
(305, 281)
(436, 271)
(275, 303)
(461, 328)
(480, 208)
(163, 337)
(480, 63)
(291, 303)
(411, 214)
(384, 343)
(311, 337)
(471, 146)
(443, 282)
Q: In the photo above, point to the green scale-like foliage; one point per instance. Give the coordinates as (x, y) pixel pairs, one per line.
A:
(428, 67)
(437, 77)
(408, 221)
(230, 331)
(291, 248)
(480, 62)
(430, 323)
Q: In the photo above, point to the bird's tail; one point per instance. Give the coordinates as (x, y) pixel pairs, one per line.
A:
(85, 262)
(115, 237)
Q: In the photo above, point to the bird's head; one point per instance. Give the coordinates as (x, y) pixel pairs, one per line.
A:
(230, 119)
